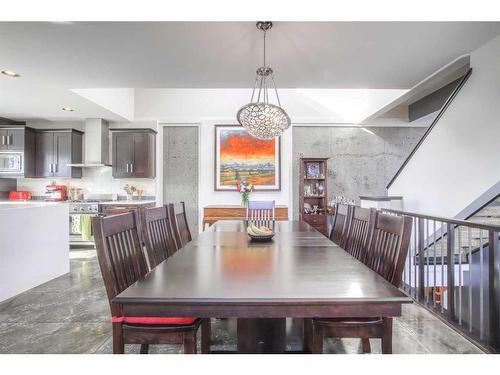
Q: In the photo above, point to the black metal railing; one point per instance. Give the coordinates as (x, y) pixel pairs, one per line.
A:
(452, 269)
(431, 127)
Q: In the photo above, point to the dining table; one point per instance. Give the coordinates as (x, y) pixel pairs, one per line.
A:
(300, 273)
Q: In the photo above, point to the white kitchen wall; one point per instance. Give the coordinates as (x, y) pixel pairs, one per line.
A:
(94, 181)
(460, 159)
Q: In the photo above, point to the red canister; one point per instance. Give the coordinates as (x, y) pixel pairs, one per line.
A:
(19, 195)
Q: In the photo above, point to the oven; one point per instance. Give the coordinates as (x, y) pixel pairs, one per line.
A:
(77, 210)
(11, 162)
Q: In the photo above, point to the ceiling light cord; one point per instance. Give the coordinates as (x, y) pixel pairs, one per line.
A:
(254, 87)
(264, 48)
(265, 94)
(276, 90)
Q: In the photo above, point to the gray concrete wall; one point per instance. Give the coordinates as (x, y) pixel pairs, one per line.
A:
(361, 162)
(180, 170)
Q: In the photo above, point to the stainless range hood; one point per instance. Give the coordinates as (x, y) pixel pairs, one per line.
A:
(96, 152)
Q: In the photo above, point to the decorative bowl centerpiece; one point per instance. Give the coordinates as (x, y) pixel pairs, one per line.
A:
(259, 234)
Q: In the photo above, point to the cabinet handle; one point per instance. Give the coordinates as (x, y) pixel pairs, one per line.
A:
(131, 168)
(3, 140)
(56, 167)
(127, 167)
(50, 167)
(10, 139)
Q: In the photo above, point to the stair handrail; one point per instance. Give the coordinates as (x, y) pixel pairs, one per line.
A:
(465, 223)
(429, 129)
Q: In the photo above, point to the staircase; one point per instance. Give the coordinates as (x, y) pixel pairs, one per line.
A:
(457, 160)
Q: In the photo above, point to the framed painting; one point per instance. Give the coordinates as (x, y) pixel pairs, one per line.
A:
(241, 157)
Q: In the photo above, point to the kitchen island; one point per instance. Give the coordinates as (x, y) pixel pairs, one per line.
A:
(34, 245)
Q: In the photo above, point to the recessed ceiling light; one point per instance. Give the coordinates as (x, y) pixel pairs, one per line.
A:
(69, 109)
(10, 73)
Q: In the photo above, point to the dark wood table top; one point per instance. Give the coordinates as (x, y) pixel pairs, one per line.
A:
(222, 272)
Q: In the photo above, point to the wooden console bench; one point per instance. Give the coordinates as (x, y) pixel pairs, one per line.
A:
(211, 214)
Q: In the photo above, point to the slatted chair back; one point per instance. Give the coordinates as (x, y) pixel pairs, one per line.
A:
(260, 211)
(179, 223)
(389, 246)
(361, 223)
(119, 253)
(341, 219)
(158, 237)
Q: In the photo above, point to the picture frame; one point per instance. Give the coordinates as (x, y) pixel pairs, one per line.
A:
(239, 156)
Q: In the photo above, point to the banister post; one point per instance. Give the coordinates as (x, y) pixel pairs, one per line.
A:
(450, 270)
(421, 260)
(493, 290)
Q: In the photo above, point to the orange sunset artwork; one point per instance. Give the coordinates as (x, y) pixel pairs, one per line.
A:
(243, 157)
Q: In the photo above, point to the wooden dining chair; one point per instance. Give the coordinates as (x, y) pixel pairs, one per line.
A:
(386, 255)
(260, 211)
(158, 236)
(359, 230)
(122, 263)
(179, 223)
(341, 219)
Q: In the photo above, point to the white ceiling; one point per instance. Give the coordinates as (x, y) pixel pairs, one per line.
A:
(56, 57)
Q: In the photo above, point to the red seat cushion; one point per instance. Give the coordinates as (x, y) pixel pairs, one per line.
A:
(152, 320)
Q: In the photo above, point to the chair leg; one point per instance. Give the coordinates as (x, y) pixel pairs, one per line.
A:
(144, 349)
(365, 344)
(308, 334)
(190, 342)
(206, 336)
(317, 339)
(118, 344)
(387, 336)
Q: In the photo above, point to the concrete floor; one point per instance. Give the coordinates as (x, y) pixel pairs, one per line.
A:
(70, 314)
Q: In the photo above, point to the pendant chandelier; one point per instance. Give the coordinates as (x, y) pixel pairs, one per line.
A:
(262, 119)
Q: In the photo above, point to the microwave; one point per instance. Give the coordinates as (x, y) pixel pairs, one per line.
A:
(11, 162)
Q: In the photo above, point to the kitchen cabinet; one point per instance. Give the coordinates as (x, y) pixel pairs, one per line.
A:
(11, 139)
(134, 153)
(18, 141)
(55, 149)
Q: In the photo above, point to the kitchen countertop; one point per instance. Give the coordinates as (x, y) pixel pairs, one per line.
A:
(41, 203)
(127, 203)
(26, 204)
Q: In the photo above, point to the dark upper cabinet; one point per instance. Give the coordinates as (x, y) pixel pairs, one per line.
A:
(55, 149)
(122, 154)
(12, 139)
(44, 154)
(134, 153)
(16, 138)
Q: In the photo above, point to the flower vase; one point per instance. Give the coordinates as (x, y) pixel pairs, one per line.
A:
(244, 200)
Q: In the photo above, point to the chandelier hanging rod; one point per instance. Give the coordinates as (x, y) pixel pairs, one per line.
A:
(264, 71)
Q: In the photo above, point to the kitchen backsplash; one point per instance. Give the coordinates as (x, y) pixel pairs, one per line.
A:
(94, 181)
